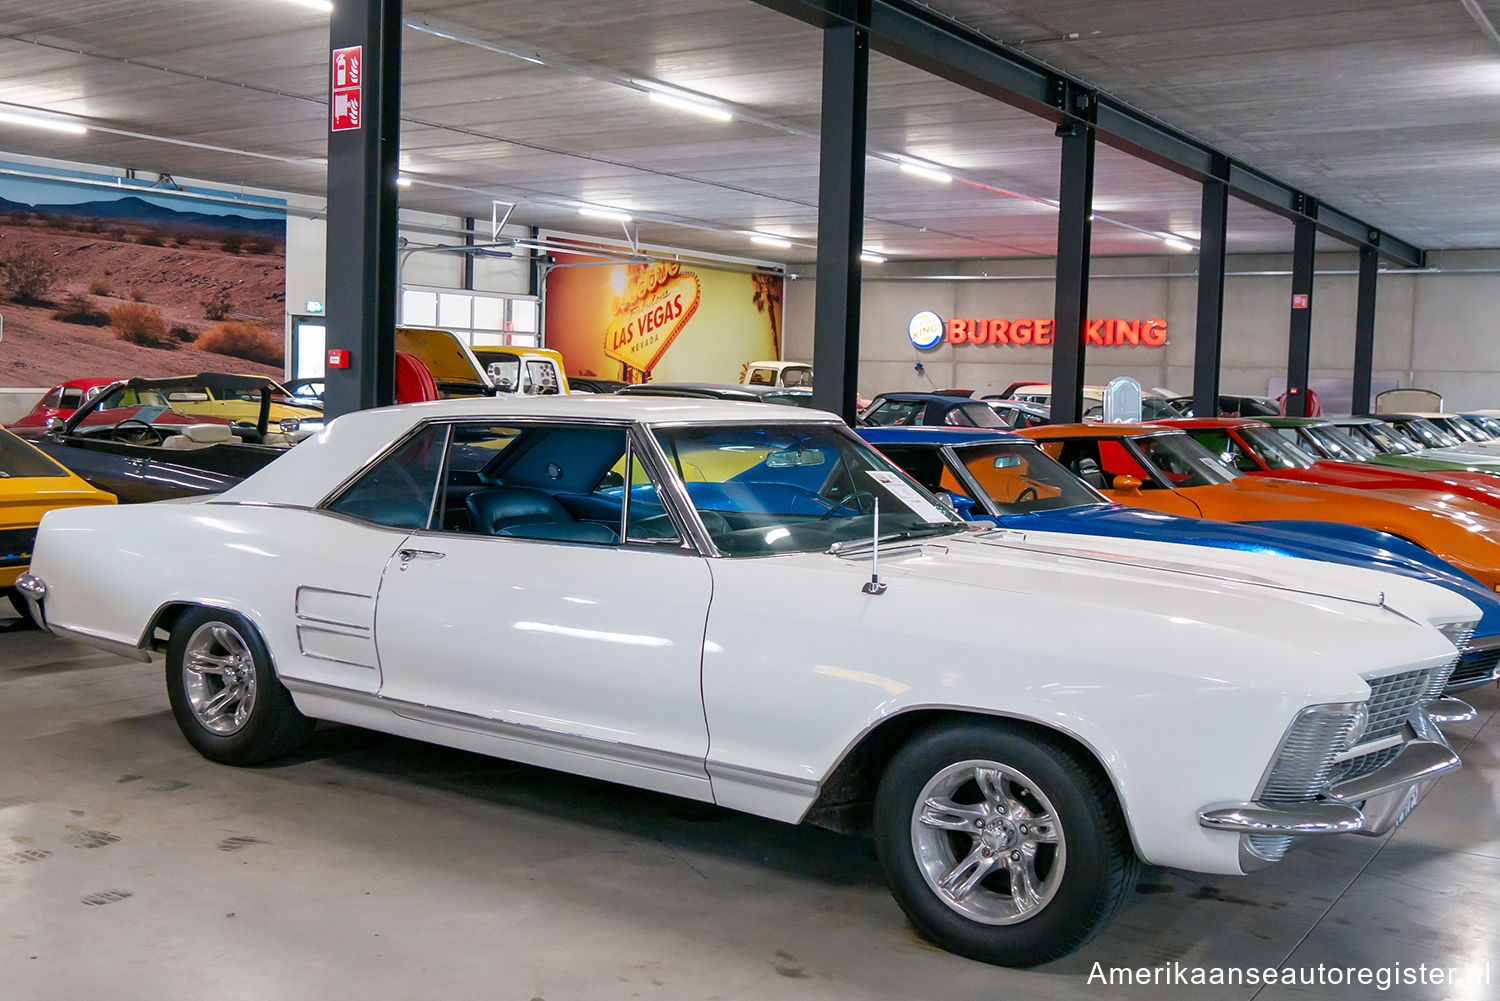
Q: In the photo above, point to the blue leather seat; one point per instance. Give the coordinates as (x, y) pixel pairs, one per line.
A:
(495, 509)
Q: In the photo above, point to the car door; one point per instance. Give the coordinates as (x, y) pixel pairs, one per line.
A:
(529, 614)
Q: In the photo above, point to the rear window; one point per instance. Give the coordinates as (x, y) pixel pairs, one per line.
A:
(18, 459)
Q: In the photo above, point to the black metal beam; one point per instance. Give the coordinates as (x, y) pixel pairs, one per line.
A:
(361, 242)
(915, 34)
(1299, 343)
(841, 212)
(1364, 330)
(1209, 337)
(1075, 206)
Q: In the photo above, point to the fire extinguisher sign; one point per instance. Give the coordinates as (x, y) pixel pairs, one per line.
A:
(348, 75)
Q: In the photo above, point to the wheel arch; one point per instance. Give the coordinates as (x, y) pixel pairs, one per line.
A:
(845, 798)
(166, 616)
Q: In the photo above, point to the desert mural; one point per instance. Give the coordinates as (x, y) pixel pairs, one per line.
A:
(98, 282)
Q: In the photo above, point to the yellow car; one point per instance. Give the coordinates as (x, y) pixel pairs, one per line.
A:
(31, 484)
(240, 406)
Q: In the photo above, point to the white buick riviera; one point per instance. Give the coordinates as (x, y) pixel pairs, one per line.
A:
(746, 605)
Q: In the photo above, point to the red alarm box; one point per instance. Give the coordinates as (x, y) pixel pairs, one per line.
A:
(338, 358)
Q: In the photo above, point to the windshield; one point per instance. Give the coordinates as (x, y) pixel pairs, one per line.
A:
(1337, 443)
(1381, 437)
(1274, 450)
(1423, 432)
(1021, 478)
(1488, 425)
(796, 375)
(1182, 461)
(1460, 428)
(123, 396)
(19, 459)
(789, 399)
(763, 490)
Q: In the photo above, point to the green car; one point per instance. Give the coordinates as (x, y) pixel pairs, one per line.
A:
(1370, 439)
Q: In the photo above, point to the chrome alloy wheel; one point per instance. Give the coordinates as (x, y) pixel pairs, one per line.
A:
(988, 842)
(218, 677)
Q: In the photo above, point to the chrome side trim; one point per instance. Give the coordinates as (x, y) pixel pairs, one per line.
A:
(102, 642)
(528, 733)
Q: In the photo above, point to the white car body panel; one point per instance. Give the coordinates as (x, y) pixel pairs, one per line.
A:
(1178, 668)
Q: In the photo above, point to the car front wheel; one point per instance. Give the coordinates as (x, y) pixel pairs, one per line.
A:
(1001, 845)
(225, 695)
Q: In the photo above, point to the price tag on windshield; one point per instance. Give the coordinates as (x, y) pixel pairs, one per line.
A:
(902, 491)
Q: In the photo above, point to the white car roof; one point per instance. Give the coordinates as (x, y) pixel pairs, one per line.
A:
(312, 469)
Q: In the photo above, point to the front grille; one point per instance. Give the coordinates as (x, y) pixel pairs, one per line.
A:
(1304, 762)
(1475, 668)
(16, 545)
(1366, 763)
(1395, 696)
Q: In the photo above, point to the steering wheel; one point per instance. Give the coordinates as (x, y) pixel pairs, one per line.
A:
(861, 501)
(1029, 494)
(136, 437)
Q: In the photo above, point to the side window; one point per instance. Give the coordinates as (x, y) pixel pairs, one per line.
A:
(647, 519)
(1116, 460)
(958, 418)
(550, 482)
(399, 490)
(51, 400)
(541, 377)
(762, 377)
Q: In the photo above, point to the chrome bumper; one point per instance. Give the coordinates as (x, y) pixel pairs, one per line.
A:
(1370, 804)
(33, 589)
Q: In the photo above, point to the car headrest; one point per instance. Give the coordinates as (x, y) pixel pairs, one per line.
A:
(207, 434)
(497, 508)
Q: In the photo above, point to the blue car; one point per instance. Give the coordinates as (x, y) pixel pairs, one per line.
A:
(1008, 481)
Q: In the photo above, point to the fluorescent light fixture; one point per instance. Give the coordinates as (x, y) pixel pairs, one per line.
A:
(926, 171)
(403, 182)
(871, 258)
(1177, 243)
(613, 215)
(33, 121)
(703, 108)
(770, 241)
(321, 6)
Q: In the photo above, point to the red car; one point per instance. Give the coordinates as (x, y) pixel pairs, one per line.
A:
(1257, 448)
(60, 401)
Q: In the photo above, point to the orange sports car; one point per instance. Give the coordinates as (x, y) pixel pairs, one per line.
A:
(1164, 469)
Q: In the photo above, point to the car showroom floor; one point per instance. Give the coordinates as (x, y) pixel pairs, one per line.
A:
(372, 867)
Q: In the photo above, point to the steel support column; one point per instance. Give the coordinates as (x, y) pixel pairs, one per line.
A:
(1299, 346)
(1209, 338)
(1075, 205)
(841, 211)
(361, 249)
(1364, 330)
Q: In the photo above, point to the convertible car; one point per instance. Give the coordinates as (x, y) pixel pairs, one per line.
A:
(750, 606)
(130, 441)
(1164, 469)
(1008, 481)
(31, 485)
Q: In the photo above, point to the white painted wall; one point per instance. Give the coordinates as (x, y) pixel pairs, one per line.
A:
(1434, 330)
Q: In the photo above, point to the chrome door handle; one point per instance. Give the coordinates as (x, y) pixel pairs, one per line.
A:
(407, 555)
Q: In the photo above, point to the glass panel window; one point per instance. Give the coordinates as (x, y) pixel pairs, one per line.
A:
(489, 313)
(1022, 478)
(419, 309)
(399, 490)
(52, 399)
(455, 311)
(552, 482)
(648, 518)
(1275, 451)
(523, 316)
(72, 398)
(1183, 461)
(19, 459)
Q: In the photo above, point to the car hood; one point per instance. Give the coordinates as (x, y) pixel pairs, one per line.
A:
(1165, 578)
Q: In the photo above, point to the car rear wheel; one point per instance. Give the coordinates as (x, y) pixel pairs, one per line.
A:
(228, 701)
(1000, 845)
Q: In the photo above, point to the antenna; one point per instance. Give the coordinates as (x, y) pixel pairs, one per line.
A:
(873, 585)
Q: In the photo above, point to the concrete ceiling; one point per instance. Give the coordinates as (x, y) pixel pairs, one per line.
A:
(1387, 110)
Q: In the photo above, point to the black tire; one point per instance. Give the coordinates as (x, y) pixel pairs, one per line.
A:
(22, 609)
(1088, 868)
(269, 726)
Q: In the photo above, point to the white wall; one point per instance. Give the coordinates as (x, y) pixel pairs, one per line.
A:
(1433, 330)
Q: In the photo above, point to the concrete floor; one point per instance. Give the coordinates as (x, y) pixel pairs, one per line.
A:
(375, 868)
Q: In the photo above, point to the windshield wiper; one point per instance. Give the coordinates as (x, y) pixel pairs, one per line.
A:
(859, 545)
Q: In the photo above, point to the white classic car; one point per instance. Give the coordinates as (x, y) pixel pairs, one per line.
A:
(749, 606)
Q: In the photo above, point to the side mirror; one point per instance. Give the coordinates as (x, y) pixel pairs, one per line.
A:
(957, 503)
(1125, 484)
(289, 425)
(55, 424)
